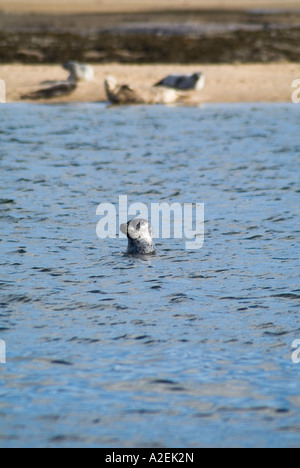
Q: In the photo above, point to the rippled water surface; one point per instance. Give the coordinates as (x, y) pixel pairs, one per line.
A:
(185, 349)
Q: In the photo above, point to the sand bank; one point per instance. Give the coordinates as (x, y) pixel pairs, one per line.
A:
(112, 6)
(225, 83)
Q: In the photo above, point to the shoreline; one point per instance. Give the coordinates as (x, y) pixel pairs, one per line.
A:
(133, 6)
(224, 83)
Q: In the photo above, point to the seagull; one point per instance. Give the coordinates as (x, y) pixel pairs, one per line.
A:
(79, 71)
(194, 81)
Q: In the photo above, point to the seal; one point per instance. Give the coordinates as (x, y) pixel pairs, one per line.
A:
(140, 237)
(120, 94)
(194, 81)
(63, 88)
(128, 94)
(78, 72)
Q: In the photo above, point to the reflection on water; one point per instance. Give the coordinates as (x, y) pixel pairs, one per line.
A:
(184, 349)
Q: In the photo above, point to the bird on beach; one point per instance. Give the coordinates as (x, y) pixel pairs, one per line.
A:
(79, 71)
(129, 94)
(194, 81)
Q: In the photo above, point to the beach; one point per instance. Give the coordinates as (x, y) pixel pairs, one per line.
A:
(248, 50)
(67, 6)
(224, 83)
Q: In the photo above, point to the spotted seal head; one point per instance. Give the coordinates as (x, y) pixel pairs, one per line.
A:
(140, 237)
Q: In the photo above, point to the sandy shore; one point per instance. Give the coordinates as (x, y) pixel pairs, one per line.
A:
(225, 83)
(112, 6)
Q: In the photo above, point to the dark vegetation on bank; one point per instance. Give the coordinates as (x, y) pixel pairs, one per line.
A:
(177, 37)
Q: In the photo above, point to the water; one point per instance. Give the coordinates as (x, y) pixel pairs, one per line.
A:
(186, 349)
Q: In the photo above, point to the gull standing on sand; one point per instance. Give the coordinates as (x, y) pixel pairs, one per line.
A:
(79, 71)
(194, 81)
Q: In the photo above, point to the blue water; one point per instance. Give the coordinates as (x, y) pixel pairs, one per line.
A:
(185, 349)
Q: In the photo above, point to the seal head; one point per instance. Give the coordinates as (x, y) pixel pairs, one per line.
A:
(140, 237)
